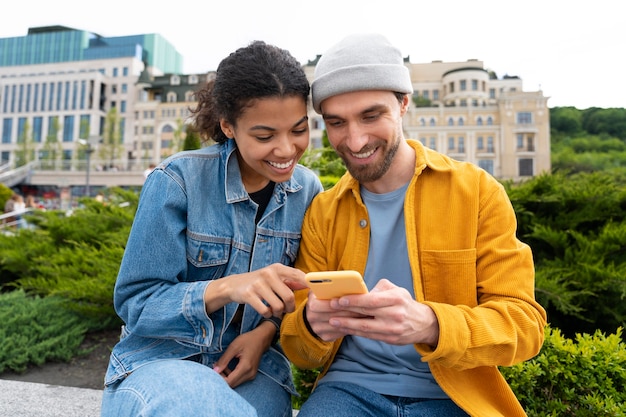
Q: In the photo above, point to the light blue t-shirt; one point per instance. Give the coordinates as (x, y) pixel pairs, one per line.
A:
(381, 367)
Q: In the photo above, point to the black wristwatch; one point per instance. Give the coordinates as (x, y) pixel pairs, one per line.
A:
(276, 322)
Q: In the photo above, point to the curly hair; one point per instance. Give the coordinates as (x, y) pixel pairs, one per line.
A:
(256, 71)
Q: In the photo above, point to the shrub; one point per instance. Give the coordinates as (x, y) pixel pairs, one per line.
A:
(36, 330)
(582, 377)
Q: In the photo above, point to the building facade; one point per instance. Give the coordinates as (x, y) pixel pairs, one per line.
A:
(58, 84)
(466, 112)
(63, 83)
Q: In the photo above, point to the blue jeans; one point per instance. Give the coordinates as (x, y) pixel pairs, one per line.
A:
(341, 399)
(174, 388)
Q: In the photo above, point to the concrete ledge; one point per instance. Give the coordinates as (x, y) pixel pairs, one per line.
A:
(29, 399)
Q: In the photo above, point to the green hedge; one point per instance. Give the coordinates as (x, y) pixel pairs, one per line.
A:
(584, 377)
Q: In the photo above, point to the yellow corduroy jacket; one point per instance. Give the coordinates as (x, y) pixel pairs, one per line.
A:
(467, 265)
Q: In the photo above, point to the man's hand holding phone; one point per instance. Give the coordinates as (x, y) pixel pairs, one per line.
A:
(326, 286)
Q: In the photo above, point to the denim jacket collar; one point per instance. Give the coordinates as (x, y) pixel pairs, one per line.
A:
(233, 186)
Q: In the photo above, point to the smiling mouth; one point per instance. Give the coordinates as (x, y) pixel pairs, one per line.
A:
(283, 165)
(363, 155)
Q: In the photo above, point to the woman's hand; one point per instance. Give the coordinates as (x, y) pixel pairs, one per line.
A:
(268, 290)
(244, 354)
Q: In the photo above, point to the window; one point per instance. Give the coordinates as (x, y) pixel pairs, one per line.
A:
(520, 141)
(123, 106)
(525, 167)
(83, 94)
(115, 72)
(435, 94)
(474, 85)
(450, 121)
(463, 85)
(479, 121)
(463, 103)
(461, 144)
(68, 129)
(7, 127)
(524, 117)
(486, 164)
(530, 141)
(492, 93)
(489, 121)
(171, 97)
(433, 144)
(480, 145)
(125, 71)
(450, 143)
(432, 121)
(422, 121)
(37, 129)
(28, 93)
(124, 88)
(193, 79)
(426, 94)
(189, 96)
(490, 144)
(67, 96)
(84, 126)
(452, 87)
(461, 121)
(43, 96)
(175, 80)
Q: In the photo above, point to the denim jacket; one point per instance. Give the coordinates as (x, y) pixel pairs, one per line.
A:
(194, 224)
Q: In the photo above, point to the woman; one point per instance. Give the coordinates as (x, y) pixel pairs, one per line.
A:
(206, 275)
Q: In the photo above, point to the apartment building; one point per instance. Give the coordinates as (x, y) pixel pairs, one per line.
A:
(63, 81)
(465, 111)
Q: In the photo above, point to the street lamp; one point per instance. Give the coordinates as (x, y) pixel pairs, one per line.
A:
(88, 152)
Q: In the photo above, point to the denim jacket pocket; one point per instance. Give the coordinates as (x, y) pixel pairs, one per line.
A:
(209, 255)
(449, 276)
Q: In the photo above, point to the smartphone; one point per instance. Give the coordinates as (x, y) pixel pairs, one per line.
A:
(333, 284)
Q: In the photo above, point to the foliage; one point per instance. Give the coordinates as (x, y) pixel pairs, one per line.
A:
(611, 121)
(111, 147)
(567, 120)
(582, 377)
(74, 257)
(192, 139)
(5, 194)
(576, 225)
(324, 161)
(421, 101)
(36, 330)
(304, 379)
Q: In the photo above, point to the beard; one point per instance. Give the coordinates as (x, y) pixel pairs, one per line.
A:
(374, 171)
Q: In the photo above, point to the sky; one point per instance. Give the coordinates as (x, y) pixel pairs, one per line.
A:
(572, 50)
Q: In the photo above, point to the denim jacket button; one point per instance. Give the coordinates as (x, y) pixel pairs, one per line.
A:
(363, 223)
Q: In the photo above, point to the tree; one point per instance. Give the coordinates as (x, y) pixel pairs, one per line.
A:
(26, 151)
(111, 146)
(192, 139)
(52, 149)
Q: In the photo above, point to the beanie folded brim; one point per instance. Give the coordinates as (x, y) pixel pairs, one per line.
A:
(390, 77)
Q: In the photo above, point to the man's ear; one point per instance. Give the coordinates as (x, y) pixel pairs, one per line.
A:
(404, 107)
(227, 128)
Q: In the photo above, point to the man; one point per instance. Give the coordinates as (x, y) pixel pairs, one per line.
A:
(451, 287)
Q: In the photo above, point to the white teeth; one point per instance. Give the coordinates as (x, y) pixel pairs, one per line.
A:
(364, 154)
(281, 166)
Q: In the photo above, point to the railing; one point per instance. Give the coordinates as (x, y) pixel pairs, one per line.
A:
(16, 176)
(13, 218)
(74, 173)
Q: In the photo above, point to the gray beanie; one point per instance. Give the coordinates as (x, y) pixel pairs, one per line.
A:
(360, 62)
